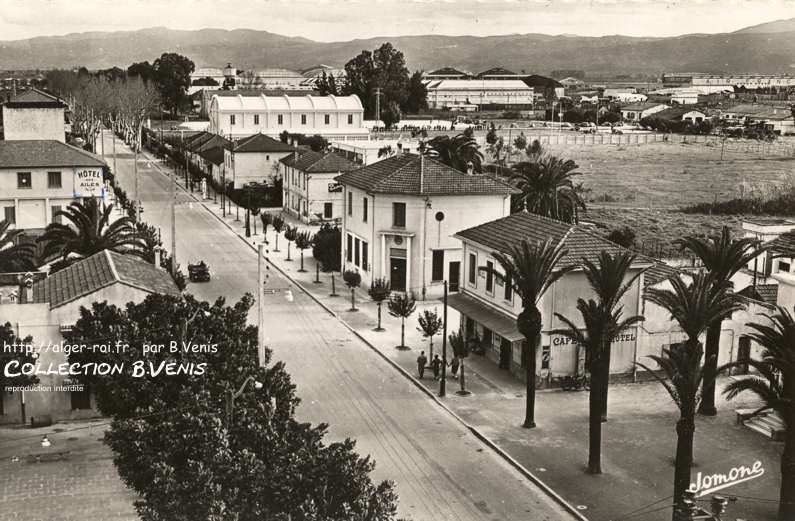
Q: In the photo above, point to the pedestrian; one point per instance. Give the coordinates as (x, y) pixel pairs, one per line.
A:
(436, 365)
(454, 363)
(421, 361)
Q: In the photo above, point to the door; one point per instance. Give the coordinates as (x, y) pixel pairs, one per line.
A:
(397, 274)
(743, 354)
(455, 274)
(327, 210)
(505, 354)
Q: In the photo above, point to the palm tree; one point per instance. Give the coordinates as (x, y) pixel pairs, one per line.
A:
(290, 234)
(14, 256)
(278, 224)
(430, 325)
(456, 152)
(91, 231)
(531, 269)
(460, 349)
(722, 257)
(775, 386)
(603, 321)
(547, 188)
(694, 307)
(379, 292)
(401, 306)
(303, 241)
(352, 279)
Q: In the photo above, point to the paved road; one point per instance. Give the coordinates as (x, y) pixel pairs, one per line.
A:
(442, 471)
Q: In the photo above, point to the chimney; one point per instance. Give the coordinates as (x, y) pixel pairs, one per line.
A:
(158, 257)
(470, 168)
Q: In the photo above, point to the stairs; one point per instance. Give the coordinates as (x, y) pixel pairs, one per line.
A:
(768, 423)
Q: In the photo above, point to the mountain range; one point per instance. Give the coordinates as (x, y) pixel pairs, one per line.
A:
(766, 48)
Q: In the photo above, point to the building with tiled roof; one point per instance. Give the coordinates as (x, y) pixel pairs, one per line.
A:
(638, 111)
(40, 177)
(400, 215)
(310, 192)
(255, 159)
(48, 307)
(34, 114)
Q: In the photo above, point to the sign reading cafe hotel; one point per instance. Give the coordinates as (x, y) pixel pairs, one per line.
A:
(88, 182)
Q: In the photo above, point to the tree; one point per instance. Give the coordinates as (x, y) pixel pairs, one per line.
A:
(774, 386)
(623, 236)
(460, 348)
(384, 69)
(327, 250)
(185, 454)
(15, 256)
(352, 280)
(267, 220)
(303, 241)
(491, 135)
(290, 234)
(531, 269)
(430, 325)
(326, 85)
(547, 188)
(520, 141)
(603, 321)
(379, 292)
(145, 71)
(278, 225)
(457, 152)
(90, 232)
(417, 99)
(722, 256)
(401, 306)
(284, 136)
(390, 115)
(172, 74)
(694, 307)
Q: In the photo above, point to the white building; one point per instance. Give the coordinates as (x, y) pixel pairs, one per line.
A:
(34, 114)
(365, 152)
(638, 111)
(328, 116)
(255, 159)
(400, 215)
(749, 81)
(40, 177)
(448, 94)
(310, 192)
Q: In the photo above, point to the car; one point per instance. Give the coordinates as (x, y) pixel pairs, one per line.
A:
(199, 272)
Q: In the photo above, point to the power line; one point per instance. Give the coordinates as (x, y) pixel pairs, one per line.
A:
(632, 512)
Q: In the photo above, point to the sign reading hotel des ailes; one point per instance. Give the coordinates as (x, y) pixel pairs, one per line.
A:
(88, 181)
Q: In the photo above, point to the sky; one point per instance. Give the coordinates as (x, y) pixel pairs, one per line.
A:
(342, 20)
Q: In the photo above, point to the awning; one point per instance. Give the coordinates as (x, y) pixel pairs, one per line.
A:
(499, 323)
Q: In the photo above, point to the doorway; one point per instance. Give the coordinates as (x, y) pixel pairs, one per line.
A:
(743, 354)
(505, 354)
(397, 274)
(455, 274)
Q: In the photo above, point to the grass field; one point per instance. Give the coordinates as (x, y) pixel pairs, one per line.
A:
(668, 175)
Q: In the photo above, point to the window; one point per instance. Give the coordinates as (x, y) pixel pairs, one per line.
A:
(326, 119)
(473, 266)
(364, 209)
(81, 399)
(350, 119)
(545, 357)
(55, 210)
(267, 157)
(232, 119)
(256, 119)
(280, 119)
(399, 215)
(508, 289)
(356, 252)
(350, 248)
(10, 214)
(53, 179)
(303, 119)
(327, 210)
(23, 180)
(783, 266)
(437, 270)
(489, 277)
(350, 203)
(364, 256)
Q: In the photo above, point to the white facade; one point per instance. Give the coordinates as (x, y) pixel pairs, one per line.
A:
(243, 168)
(454, 93)
(312, 197)
(34, 123)
(365, 152)
(330, 116)
(636, 113)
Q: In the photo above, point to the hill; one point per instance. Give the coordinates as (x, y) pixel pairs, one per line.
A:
(747, 50)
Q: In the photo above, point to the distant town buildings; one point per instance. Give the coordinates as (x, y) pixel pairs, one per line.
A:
(723, 81)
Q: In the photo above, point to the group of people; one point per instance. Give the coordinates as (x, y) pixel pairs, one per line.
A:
(436, 365)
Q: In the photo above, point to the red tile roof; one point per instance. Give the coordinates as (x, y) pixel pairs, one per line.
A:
(320, 162)
(35, 153)
(262, 143)
(416, 175)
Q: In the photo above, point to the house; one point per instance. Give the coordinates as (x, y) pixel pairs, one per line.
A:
(47, 307)
(310, 192)
(328, 116)
(365, 152)
(685, 97)
(255, 159)
(34, 114)
(680, 113)
(638, 111)
(206, 150)
(446, 73)
(513, 93)
(775, 118)
(624, 95)
(400, 214)
(40, 177)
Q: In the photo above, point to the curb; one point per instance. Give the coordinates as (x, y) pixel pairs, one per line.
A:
(480, 436)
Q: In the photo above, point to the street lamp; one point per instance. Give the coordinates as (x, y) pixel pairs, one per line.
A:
(232, 396)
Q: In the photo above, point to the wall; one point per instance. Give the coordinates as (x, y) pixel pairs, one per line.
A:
(30, 123)
(258, 167)
(220, 122)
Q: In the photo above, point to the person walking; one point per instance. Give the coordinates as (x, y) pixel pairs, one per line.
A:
(436, 365)
(421, 361)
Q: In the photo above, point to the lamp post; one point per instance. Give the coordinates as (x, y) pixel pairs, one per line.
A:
(443, 382)
(230, 398)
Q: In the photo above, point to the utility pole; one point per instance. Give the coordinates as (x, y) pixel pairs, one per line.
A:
(113, 135)
(135, 174)
(378, 104)
(260, 295)
(443, 383)
(173, 222)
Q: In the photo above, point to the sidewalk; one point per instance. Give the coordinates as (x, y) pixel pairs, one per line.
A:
(638, 440)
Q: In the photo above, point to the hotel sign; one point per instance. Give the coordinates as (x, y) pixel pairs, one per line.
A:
(623, 337)
(88, 182)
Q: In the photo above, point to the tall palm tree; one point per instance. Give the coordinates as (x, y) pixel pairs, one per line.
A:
(14, 256)
(603, 321)
(531, 269)
(694, 307)
(722, 257)
(547, 186)
(775, 385)
(456, 152)
(90, 231)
